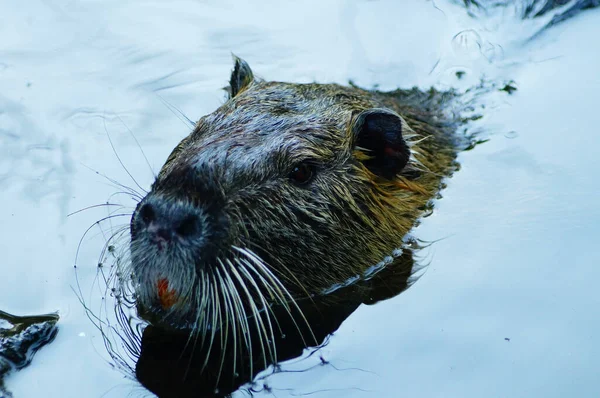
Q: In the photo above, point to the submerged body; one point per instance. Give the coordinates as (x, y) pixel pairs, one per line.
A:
(280, 196)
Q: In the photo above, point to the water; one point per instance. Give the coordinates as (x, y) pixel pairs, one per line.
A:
(507, 306)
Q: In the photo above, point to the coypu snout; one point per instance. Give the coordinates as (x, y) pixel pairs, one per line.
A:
(179, 220)
(172, 240)
(166, 223)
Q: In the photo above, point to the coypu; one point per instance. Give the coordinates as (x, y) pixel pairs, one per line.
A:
(284, 194)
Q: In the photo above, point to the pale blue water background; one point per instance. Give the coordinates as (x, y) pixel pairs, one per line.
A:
(519, 222)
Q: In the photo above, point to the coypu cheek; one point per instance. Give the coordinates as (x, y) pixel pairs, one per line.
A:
(378, 132)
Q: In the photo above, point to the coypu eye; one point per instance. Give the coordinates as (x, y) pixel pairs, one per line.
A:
(302, 173)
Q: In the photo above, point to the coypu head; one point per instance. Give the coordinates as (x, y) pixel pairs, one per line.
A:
(283, 192)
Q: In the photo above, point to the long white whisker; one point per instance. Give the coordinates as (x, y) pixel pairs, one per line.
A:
(273, 294)
(213, 325)
(273, 351)
(224, 336)
(231, 311)
(196, 331)
(260, 327)
(259, 265)
(245, 326)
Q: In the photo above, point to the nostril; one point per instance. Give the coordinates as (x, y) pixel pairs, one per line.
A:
(147, 214)
(163, 234)
(188, 226)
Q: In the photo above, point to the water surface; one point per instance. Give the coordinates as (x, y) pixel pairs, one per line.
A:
(507, 306)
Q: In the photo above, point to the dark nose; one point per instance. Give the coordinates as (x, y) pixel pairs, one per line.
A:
(165, 222)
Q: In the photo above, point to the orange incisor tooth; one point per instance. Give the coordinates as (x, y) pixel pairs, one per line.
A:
(167, 297)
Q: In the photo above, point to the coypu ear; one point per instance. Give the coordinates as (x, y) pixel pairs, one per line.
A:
(241, 77)
(378, 133)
